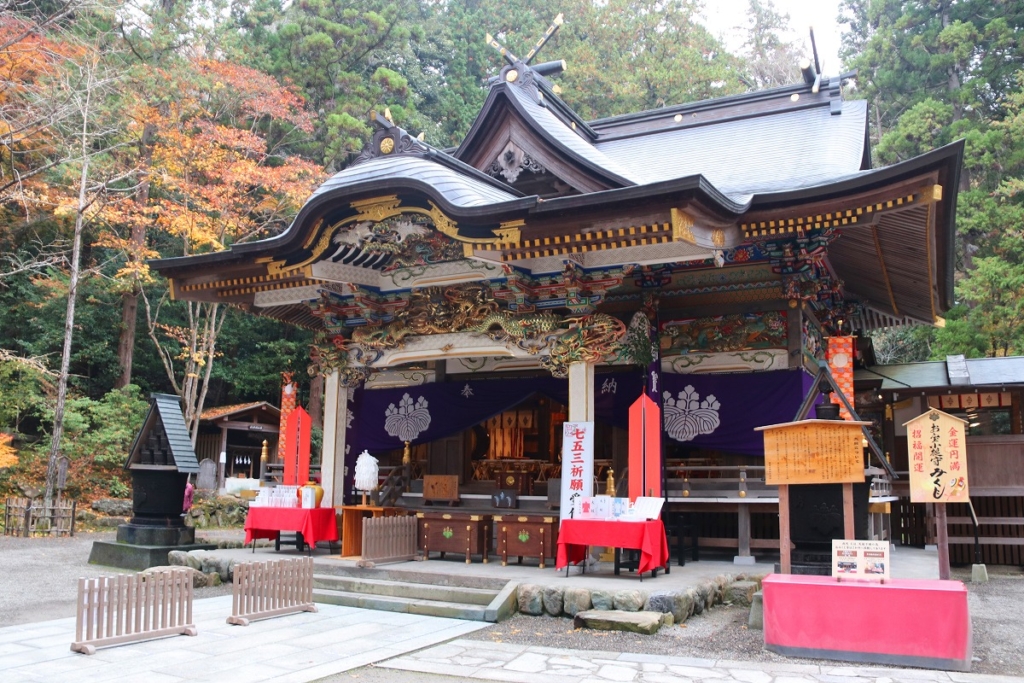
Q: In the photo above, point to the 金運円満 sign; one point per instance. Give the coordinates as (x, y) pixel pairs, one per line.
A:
(577, 466)
(937, 454)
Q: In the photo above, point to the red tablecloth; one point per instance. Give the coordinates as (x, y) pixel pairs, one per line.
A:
(315, 524)
(648, 537)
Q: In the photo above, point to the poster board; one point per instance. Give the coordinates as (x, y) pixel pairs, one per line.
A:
(860, 559)
(813, 452)
(937, 456)
(577, 467)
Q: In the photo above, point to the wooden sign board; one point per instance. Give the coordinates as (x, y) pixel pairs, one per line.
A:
(937, 453)
(813, 452)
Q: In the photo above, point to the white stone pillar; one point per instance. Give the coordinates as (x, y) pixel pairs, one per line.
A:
(332, 460)
(581, 392)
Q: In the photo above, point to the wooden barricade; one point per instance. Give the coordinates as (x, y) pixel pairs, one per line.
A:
(25, 517)
(113, 610)
(271, 589)
(389, 539)
(17, 513)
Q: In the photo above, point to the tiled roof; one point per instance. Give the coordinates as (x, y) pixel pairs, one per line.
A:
(756, 155)
(987, 372)
(457, 188)
(221, 411)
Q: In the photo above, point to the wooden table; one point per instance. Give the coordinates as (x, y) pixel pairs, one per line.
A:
(526, 536)
(352, 525)
(576, 535)
(314, 524)
(454, 532)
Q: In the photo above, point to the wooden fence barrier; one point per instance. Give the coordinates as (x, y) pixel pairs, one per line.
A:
(25, 517)
(113, 610)
(271, 589)
(389, 539)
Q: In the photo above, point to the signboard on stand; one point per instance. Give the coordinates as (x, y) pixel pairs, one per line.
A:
(577, 467)
(813, 452)
(937, 447)
(860, 559)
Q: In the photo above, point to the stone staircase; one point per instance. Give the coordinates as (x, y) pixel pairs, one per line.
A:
(439, 595)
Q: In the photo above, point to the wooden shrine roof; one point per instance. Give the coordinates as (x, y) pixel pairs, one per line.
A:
(533, 185)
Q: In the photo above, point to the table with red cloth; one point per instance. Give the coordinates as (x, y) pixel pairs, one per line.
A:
(575, 535)
(315, 524)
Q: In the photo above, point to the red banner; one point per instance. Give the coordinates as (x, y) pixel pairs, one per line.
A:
(644, 448)
(294, 447)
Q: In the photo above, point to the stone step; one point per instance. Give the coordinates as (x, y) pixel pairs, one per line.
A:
(390, 603)
(405, 575)
(406, 589)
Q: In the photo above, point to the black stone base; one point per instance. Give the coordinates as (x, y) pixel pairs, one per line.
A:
(140, 534)
(137, 557)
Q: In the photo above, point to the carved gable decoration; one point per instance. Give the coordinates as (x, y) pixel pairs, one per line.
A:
(512, 161)
(402, 241)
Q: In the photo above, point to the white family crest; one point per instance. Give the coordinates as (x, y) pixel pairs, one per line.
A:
(687, 416)
(408, 420)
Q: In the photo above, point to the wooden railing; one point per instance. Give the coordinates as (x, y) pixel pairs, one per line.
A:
(718, 481)
(391, 489)
(113, 610)
(271, 589)
(389, 539)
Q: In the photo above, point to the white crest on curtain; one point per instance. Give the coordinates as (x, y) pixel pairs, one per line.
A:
(408, 420)
(687, 416)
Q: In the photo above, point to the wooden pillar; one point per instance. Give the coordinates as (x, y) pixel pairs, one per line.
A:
(332, 459)
(785, 546)
(795, 337)
(744, 556)
(849, 533)
(222, 456)
(581, 392)
(942, 540)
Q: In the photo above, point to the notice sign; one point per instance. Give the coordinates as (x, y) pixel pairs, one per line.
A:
(577, 467)
(860, 559)
(938, 458)
(813, 452)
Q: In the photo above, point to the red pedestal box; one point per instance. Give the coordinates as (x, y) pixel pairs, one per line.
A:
(904, 621)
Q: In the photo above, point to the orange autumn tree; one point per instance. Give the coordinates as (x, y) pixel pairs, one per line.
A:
(218, 174)
(32, 109)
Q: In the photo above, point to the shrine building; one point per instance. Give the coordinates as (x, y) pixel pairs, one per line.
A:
(467, 302)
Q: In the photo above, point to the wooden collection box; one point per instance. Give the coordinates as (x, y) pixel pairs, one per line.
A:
(511, 479)
(441, 488)
(454, 532)
(526, 536)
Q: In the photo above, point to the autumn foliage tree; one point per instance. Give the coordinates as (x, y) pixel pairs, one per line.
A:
(218, 174)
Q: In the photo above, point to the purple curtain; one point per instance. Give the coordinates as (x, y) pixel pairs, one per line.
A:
(385, 418)
(721, 411)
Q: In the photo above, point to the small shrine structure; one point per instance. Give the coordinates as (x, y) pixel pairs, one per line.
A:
(466, 302)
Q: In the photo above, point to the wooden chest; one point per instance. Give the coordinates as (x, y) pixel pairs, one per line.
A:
(512, 479)
(526, 536)
(454, 532)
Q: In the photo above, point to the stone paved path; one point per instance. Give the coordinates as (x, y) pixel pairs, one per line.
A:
(291, 649)
(477, 660)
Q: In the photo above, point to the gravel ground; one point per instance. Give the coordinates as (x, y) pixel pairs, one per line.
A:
(40, 575)
(721, 633)
(39, 582)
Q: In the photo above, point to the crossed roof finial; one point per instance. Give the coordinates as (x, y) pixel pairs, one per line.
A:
(511, 58)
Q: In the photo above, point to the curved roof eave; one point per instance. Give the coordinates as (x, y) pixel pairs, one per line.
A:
(294, 234)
